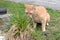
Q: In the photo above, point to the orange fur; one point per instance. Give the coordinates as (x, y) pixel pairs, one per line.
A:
(38, 14)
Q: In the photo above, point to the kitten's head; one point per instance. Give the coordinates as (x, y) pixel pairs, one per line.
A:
(29, 9)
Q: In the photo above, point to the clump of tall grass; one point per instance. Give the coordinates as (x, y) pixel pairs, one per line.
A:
(20, 21)
(19, 28)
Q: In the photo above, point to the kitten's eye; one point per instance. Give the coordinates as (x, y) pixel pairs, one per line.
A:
(27, 13)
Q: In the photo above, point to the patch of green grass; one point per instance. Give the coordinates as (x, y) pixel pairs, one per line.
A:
(53, 30)
(4, 4)
(54, 14)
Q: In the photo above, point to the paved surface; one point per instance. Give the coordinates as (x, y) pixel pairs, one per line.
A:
(2, 38)
(54, 4)
(4, 21)
(2, 35)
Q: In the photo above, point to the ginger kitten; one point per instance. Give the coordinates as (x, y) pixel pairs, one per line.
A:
(38, 14)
